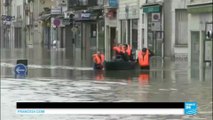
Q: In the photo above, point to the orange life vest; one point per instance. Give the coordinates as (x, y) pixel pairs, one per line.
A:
(98, 59)
(128, 51)
(143, 59)
(117, 49)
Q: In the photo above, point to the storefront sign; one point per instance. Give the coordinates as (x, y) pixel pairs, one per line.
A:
(85, 15)
(56, 10)
(152, 9)
(113, 3)
(65, 21)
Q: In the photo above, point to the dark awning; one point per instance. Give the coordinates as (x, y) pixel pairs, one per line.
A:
(45, 17)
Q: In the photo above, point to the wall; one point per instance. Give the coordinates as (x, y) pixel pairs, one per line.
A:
(39, 6)
(15, 4)
(177, 4)
(167, 7)
(197, 23)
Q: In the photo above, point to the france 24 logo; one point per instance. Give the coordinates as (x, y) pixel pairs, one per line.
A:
(190, 108)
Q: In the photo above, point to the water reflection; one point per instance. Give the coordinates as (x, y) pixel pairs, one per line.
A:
(99, 75)
(143, 78)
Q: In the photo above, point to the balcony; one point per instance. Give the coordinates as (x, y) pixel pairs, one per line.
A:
(81, 4)
(6, 2)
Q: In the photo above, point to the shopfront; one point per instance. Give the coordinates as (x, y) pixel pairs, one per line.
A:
(154, 27)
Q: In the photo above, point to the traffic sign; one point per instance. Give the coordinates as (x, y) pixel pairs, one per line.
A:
(21, 70)
(56, 22)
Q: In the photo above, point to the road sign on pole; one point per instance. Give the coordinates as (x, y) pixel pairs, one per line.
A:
(20, 70)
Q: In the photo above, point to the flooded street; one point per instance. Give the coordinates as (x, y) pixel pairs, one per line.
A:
(62, 76)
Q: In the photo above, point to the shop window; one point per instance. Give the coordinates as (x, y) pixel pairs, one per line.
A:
(134, 34)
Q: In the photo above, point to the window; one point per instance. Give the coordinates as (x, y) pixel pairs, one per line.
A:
(134, 34)
(93, 31)
(181, 22)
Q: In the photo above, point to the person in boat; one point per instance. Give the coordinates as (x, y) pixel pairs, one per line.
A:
(98, 60)
(144, 58)
(118, 48)
(128, 51)
(124, 52)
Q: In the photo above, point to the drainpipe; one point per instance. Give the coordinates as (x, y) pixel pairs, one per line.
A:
(23, 26)
(1, 25)
(97, 32)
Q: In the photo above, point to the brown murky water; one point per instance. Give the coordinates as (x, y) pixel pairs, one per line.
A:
(62, 75)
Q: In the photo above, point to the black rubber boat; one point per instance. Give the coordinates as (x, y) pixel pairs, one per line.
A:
(120, 65)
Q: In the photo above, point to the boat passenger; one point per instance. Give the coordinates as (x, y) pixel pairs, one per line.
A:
(116, 49)
(98, 60)
(118, 52)
(144, 58)
(128, 50)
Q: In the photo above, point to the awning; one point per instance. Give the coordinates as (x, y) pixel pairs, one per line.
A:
(45, 17)
(200, 8)
(152, 9)
(90, 16)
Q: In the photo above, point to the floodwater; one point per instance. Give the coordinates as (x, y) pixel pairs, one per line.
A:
(62, 75)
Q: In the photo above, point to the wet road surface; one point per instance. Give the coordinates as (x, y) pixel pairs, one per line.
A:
(59, 75)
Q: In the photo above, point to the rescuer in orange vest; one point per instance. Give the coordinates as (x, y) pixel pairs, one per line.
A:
(144, 58)
(116, 49)
(98, 60)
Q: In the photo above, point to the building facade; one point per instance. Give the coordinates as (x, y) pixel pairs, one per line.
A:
(128, 18)
(6, 23)
(87, 25)
(164, 27)
(111, 28)
(1, 38)
(200, 45)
